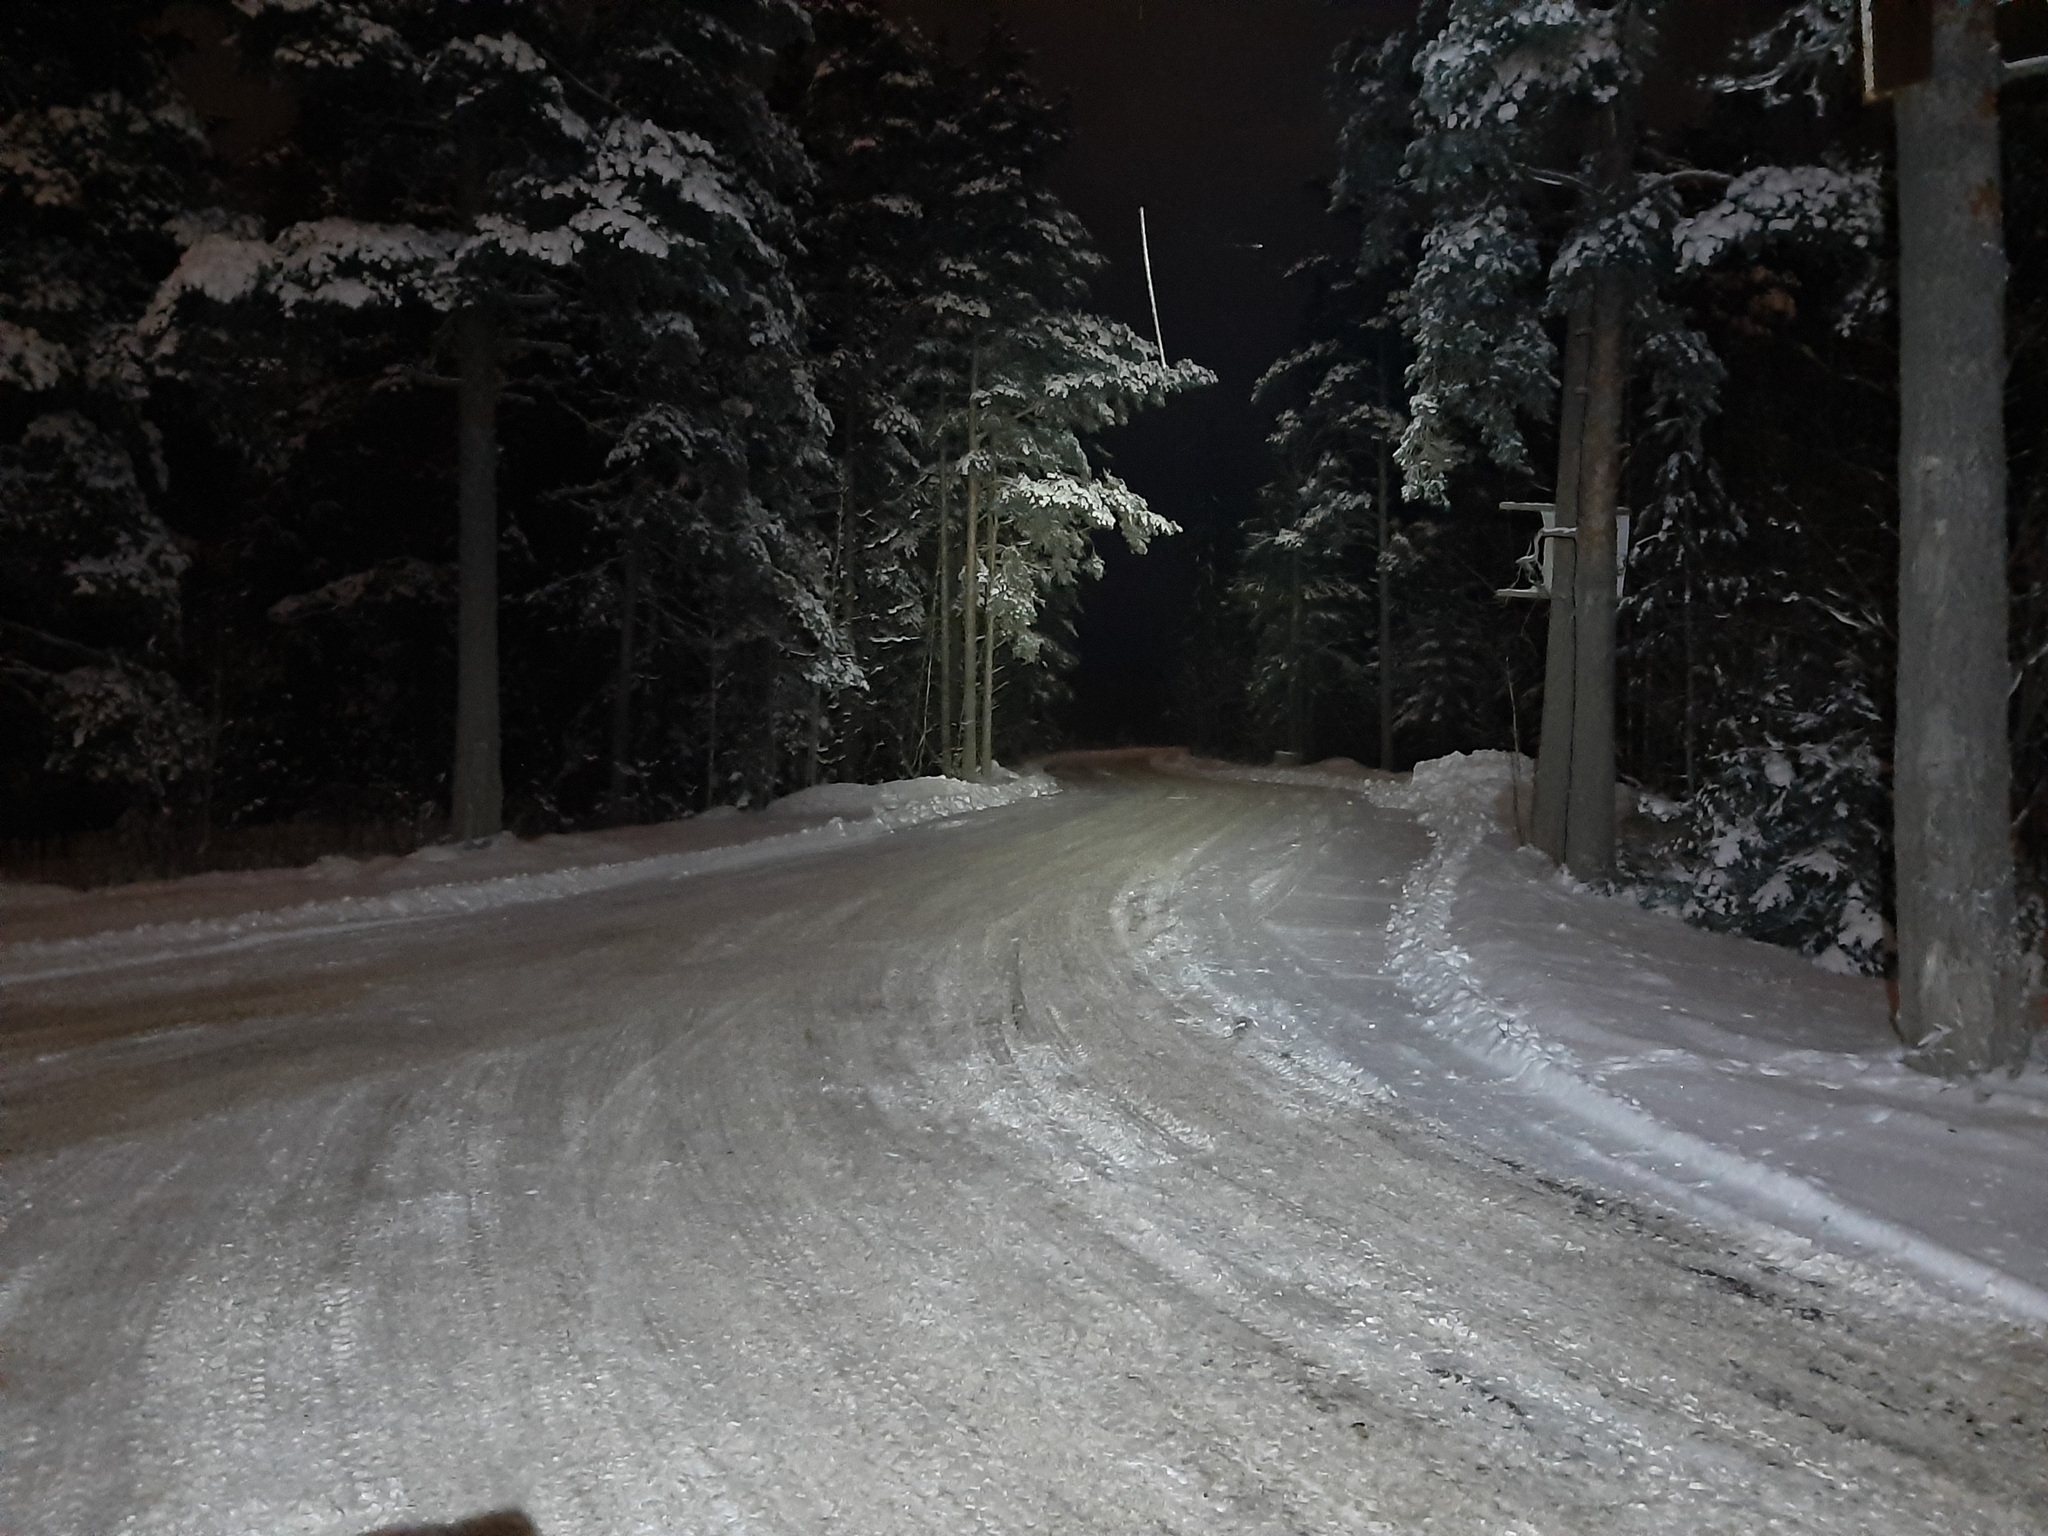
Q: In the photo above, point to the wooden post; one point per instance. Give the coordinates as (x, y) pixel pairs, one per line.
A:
(1560, 664)
(1589, 811)
(1959, 980)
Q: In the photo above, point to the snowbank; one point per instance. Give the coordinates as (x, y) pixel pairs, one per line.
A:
(909, 801)
(50, 933)
(1731, 1078)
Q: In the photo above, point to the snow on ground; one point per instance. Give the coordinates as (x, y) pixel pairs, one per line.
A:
(1729, 1079)
(884, 1189)
(49, 931)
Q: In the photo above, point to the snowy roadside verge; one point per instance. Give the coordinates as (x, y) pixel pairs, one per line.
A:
(47, 935)
(1725, 1078)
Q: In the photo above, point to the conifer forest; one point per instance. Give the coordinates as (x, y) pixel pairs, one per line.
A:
(420, 418)
(1023, 767)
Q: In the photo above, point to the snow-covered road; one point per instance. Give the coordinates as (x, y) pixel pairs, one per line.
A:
(895, 1188)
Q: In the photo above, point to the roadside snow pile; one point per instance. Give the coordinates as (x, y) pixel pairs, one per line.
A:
(910, 801)
(48, 934)
(1731, 1078)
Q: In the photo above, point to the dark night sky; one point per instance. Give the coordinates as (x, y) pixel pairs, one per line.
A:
(1211, 114)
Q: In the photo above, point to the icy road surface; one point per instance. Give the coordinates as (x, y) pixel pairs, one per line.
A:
(885, 1190)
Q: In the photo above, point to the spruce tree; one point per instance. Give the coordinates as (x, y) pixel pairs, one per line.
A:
(1533, 191)
(507, 185)
(101, 169)
(965, 371)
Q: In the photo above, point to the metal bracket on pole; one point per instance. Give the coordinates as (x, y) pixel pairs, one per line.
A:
(1538, 568)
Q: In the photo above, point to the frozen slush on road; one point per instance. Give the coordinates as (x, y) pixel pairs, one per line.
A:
(1140, 1157)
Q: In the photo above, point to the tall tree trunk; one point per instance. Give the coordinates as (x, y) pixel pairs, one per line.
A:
(1589, 813)
(1959, 985)
(988, 660)
(1296, 681)
(949, 760)
(1560, 661)
(479, 791)
(711, 732)
(619, 798)
(1386, 600)
(1692, 658)
(814, 752)
(970, 581)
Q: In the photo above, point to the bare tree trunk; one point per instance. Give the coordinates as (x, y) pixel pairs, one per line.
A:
(711, 733)
(1295, 680)
(949, 760)
(1692, 660)
(1959, 985)
(1560, 662)
(1386, 613)
(1589, 813)
(814, 754)
(479, 791)
(970, 582)
(619, 797)
(988, 662)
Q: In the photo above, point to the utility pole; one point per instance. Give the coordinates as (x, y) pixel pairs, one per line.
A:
(1560, 659)
(1960, 1006)
(1589, 811)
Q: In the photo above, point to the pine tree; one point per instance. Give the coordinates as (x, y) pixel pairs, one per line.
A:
(876, 107)
(965, 371)
(1535, 192)
(514, 199)
(1044, 375)
(100, 171)
(1318, 564)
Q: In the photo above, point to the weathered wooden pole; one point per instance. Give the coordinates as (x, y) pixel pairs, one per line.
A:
(1959, 979)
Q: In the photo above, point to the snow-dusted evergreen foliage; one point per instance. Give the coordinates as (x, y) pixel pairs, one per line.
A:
(634, 340)
(1033, 375)
(608, 194)
(1791, 824)
(1769, 671)
(949, 295)
(1307, 581)
(1511, 228)
(2024, 112)
(876, 111)
(1313, 570)
(1498, 152)
(99, 163)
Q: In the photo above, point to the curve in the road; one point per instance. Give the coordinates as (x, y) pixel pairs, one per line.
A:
(890, 1191)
